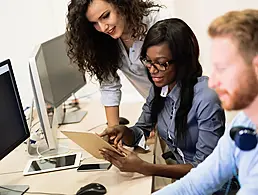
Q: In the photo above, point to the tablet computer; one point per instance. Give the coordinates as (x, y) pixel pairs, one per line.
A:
(53, 163)
(90, 142)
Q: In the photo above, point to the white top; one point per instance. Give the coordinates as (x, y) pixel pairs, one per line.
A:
(132, 67)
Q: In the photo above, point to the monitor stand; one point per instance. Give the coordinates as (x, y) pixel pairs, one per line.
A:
(13, 189)
(42, 149)
(68, 117)
(73, 117)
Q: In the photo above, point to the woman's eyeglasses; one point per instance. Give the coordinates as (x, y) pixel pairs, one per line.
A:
(158, 66)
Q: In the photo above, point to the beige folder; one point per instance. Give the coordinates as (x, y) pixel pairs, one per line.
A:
(90, 142)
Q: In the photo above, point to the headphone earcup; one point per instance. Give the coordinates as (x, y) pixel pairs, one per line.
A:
(234, 131)
(245, 138)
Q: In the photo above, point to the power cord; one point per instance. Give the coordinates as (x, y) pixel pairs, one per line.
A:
(8, 173)
(74, 103)
(49, 193)
(96, 127)
(88, 95)
(64, 110)
(33, 125)
(70, 150)
(40, 154)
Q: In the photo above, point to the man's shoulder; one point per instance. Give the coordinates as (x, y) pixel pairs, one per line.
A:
(241, 119)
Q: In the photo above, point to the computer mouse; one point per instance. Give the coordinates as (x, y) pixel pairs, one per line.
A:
(123, 121)
(92, 189)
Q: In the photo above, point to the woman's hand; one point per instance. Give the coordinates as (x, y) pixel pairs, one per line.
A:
(117, 133)
(128, 163)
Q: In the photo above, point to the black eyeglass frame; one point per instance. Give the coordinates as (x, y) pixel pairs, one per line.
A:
(157, 66)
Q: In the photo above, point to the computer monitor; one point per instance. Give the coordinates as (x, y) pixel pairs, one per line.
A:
(13, 125)
(48, 129)
(59, 77)
(54, 78)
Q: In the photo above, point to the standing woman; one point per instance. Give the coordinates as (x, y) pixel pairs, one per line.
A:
(106, 35)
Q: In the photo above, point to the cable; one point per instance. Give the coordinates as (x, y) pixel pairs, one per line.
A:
(64, 111)
(75, 101)
(48, 193)
(25, 109)
(88, 95)
(34, 125)
(67, 147)
(40, 155)
(84, 158)
(7, 173)
(31, 115)
(96, 127)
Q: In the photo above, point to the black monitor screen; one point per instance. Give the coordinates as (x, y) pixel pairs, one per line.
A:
(13, 126)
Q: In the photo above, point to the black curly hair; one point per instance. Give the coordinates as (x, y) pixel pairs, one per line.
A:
(185, 51)
(95, 52)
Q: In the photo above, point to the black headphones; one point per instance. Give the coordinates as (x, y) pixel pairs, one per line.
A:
(245, 138)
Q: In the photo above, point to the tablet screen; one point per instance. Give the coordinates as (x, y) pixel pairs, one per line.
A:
(52, 163)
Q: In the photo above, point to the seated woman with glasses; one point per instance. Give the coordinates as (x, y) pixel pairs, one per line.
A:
(185, 112)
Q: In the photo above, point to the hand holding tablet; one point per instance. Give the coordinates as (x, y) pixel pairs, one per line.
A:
(90, 142)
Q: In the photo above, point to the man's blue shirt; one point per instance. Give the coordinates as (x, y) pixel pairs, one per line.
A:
(220, 166)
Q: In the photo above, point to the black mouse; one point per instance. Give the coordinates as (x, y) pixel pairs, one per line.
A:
(92, 189)
(123, 121)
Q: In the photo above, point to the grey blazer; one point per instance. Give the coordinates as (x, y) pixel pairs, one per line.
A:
(206, 123)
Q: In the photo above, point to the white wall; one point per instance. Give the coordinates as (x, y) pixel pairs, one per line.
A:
(26, 23)
(59, 10)
(198, 14)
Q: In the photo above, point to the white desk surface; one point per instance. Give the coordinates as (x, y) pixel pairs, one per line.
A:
(69, 181)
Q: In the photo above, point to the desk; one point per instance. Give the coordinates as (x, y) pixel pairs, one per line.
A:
(69, 181)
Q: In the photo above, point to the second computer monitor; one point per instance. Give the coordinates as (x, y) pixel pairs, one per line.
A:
(54, 78)
(58, 76)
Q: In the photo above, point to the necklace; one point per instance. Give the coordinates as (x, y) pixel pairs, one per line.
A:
(127, 38)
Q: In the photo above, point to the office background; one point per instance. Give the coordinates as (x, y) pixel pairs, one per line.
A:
(24, 24)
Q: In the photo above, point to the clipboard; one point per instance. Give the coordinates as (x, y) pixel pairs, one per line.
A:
(90, 142)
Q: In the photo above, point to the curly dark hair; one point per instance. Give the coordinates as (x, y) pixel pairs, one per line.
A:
(185, 51)
(95, 52)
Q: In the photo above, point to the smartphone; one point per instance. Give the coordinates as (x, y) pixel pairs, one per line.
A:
(94, 167)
